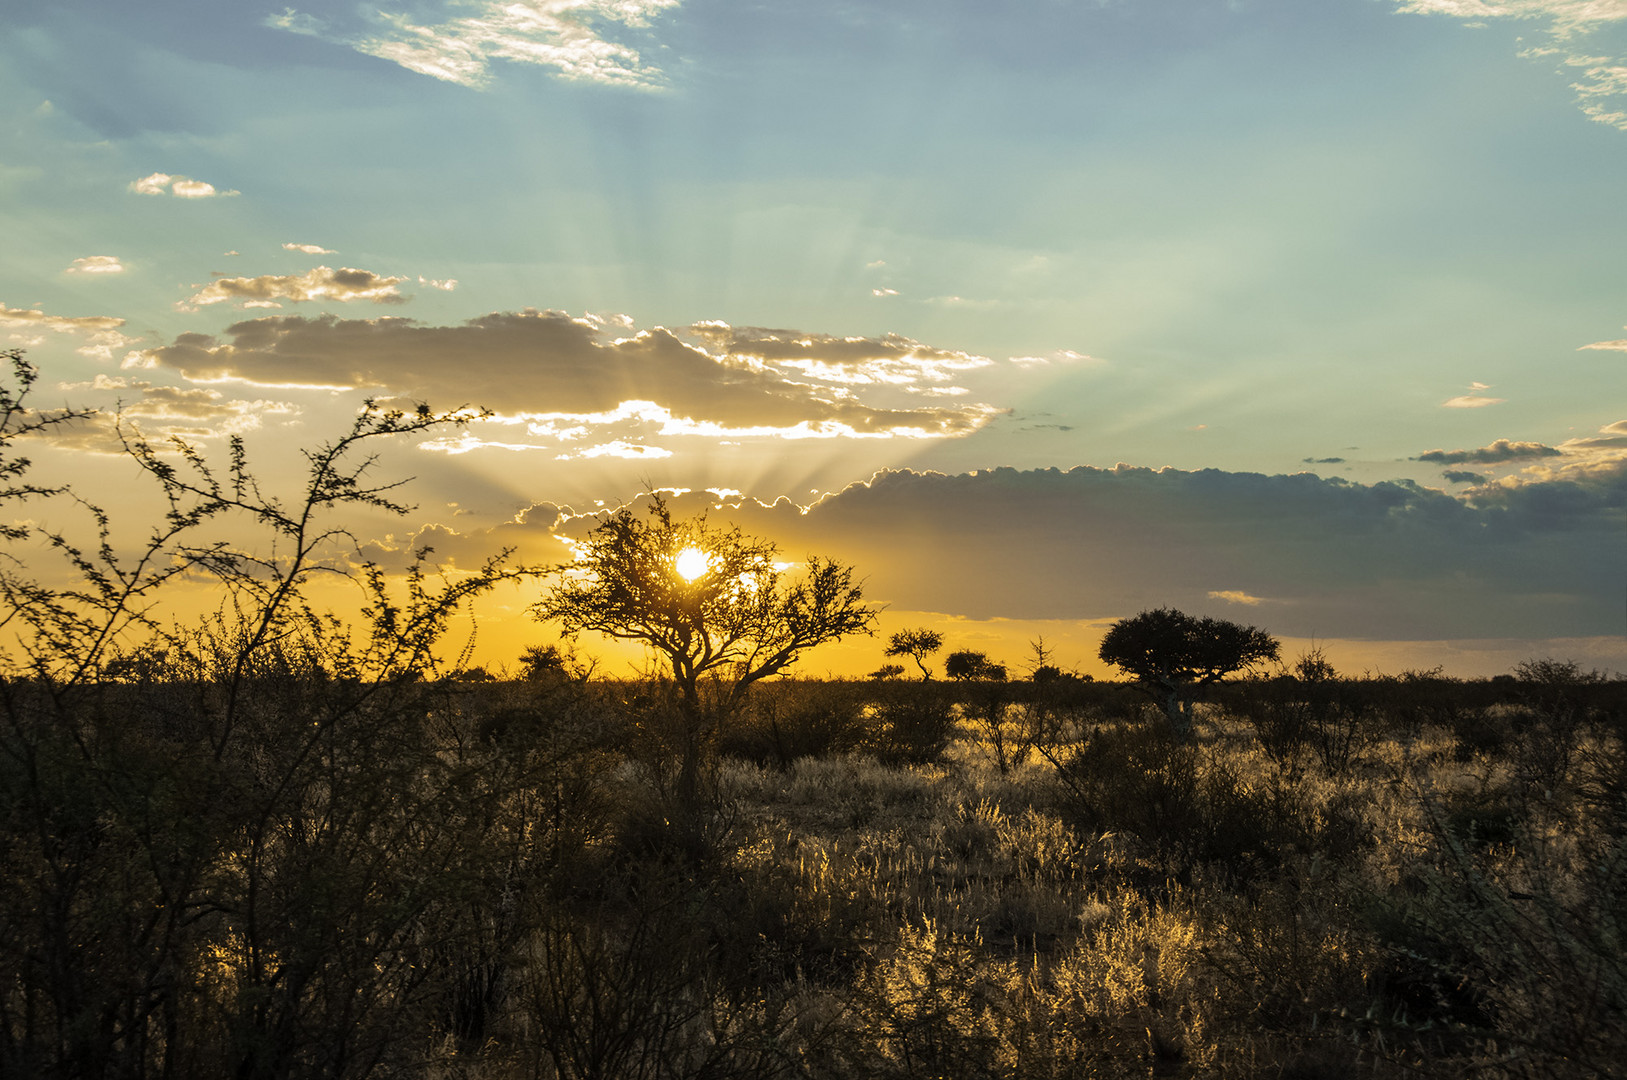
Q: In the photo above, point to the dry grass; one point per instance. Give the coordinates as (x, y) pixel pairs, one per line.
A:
(1110, 904)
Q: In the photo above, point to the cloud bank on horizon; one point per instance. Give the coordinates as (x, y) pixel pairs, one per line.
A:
(1533, 556)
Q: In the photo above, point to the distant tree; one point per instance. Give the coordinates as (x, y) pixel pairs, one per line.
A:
(968, 664)
(710, 601)
(1173, 655)
(1041, 669)
(887, 671)
(916, 644)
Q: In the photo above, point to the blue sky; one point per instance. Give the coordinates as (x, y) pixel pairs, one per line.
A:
(776, 248)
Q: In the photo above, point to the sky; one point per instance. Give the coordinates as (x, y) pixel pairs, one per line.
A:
(1303, 313)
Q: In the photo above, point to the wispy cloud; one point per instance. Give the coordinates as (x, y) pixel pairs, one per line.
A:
(889, 359)
(97, 264)
(322, 283)
(159, 412)
(1060, 356)
(310, 249)
(1601, 91)
(444, 285)
(570, 36)
(102, 330)
(1236, 596)
(1474, 399)
(182, 187)
(1611, 346)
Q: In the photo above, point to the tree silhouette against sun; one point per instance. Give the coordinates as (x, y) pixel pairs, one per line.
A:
(711, 601)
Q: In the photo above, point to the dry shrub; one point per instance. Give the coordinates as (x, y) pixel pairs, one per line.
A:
(784, 722)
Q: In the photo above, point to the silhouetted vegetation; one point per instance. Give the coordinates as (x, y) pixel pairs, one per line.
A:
(1173, 656)
(272, 844)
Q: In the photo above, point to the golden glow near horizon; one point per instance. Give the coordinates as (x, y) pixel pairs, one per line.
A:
(691, 563)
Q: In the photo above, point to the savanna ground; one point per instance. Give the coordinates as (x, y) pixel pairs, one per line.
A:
(277, 843)
(448, 877)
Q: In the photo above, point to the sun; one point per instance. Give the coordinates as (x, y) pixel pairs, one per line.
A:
(691, 563)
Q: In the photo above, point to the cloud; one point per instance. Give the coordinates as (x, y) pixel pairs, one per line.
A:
(1471, 401)
(97, 264)
(1234, 596)
(883, 292)
(619, 449)
(193, 414)
(322, 283)
(569, 36)
(1060, 356)
(1603, 79)
(890, 359)
(102, 330)
(1537, 557)
(1462, 476)
(564, 379)
(1612, 346)
(1499, 451)
(182, 187)
(445, 285)
(309, 249)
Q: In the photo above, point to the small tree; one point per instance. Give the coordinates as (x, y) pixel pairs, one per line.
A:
(968, 664)
(708, 600)
(1173, 655)
(916, 644)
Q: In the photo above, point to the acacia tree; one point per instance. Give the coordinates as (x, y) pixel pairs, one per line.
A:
(968, 664)
(1173, 655)
(709, 600)
(916, 644)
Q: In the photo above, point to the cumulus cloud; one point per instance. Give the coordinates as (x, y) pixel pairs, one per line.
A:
(573, 37)
(182, 187)
(309, 249)
(97, 264)
(322, 283)
(1318, 557)
(1499, 451)
(567, 379)
(444, 285)
(101, 330)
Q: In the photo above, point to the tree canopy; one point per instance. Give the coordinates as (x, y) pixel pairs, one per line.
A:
(969, 664)
(916, 644)
(1172, 654)
(710, 600)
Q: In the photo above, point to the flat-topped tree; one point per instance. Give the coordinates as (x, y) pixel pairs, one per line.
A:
(917, 644)
(1174, 655)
